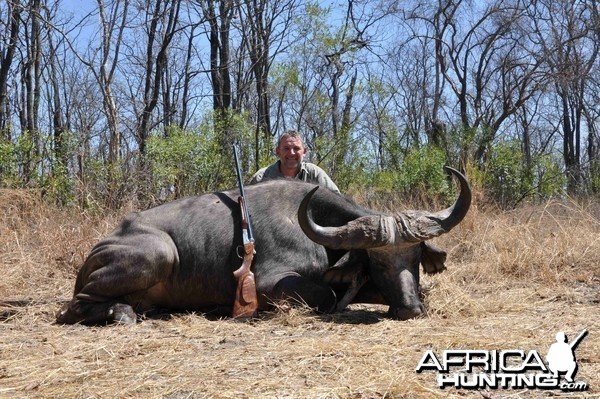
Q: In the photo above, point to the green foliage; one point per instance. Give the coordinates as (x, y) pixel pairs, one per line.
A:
(183, 160)
(193, 162)
(420, 177)
(422, 171)
(8, 166)
(393, 153)
(346, 162)
(57, 185)
(48, 174)
(548, 179)
(509, 180)
(18, 161)
(506, 179)
(595, 177)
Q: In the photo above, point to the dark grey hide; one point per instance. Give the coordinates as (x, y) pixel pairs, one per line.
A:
(181, 255)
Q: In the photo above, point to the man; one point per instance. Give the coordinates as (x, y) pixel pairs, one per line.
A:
(291, 151)
(561, 357)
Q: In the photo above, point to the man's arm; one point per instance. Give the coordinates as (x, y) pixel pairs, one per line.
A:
(319, 176)
(327, 182)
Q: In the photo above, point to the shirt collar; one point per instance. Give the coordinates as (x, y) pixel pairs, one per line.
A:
(300, 175)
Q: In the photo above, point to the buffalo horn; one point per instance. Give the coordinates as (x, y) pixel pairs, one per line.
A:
(416, 226)
(361, 233)
(379, 230)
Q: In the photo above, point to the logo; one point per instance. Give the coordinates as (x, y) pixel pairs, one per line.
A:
(507, 369)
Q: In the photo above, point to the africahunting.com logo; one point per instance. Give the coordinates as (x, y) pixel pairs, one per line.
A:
(504, 369)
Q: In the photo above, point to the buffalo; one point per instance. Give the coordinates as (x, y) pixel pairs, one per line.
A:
(312, 245)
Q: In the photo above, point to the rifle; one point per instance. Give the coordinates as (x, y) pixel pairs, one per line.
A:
(573, 344)
(246, 301)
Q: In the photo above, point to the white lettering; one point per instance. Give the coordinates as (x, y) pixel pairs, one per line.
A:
(477, 357)
(573, 386)
(505, 381)
(449, 380)
(454, 358)
(510, 353)
(499, 369)
(546, 381)
(488, 381)
(424, 366)
(533, 361)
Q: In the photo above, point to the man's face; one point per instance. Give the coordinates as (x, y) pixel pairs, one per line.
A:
(290, 151)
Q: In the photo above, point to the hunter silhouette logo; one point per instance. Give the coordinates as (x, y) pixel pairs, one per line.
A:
(561, 355)
(516, 369)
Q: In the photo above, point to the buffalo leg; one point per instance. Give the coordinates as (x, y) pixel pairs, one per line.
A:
(411, 303)
(89, 312)
(115, 277)
(305, 291)
(399, 287)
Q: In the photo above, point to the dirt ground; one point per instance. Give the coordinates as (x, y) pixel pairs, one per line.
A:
(514, 280)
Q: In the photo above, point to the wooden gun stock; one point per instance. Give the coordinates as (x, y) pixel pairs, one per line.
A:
(246, 301)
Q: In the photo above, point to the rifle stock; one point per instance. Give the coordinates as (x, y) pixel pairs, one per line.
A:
(245, 304)
(246, 301)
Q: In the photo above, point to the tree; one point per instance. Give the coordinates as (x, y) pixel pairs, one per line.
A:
(30, 74)
(568, 39)
(263, 28)
(483, 62)
(163, 18)
(10, 35)
(219, 36)
(112, 26)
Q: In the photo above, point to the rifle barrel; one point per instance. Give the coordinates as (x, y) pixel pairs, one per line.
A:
(242, 193)
(578, 339)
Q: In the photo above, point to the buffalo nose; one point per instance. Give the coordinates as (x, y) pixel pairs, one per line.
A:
(405, 313)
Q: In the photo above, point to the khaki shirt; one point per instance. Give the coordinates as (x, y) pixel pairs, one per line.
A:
(309, 173)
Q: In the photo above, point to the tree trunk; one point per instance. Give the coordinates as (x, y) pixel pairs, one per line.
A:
(156, 68)
(6, 59)
(219, 64)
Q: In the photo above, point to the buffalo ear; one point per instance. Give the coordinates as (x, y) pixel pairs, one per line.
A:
(432, 258)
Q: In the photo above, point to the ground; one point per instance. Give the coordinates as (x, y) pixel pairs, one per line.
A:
(514, 279)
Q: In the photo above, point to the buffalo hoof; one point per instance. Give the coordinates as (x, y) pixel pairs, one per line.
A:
(67, 316)
(121, 313)
(405, 313)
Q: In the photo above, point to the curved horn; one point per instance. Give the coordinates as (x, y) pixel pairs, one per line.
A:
(458, 211)
(417, 226)
(379, 230)
(361, 233)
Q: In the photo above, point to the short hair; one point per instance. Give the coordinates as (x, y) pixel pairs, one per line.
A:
(290, 134)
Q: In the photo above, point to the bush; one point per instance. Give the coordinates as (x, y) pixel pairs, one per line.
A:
(509, 180)
(184, 163)
(8, 167)
(420, 181)
(423, 173)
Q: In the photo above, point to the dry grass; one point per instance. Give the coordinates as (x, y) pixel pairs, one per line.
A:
(514, 279)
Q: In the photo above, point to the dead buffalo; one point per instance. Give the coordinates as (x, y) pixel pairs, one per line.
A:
(312, 245)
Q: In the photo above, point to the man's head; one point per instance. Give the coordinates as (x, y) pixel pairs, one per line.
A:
(290, 151)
